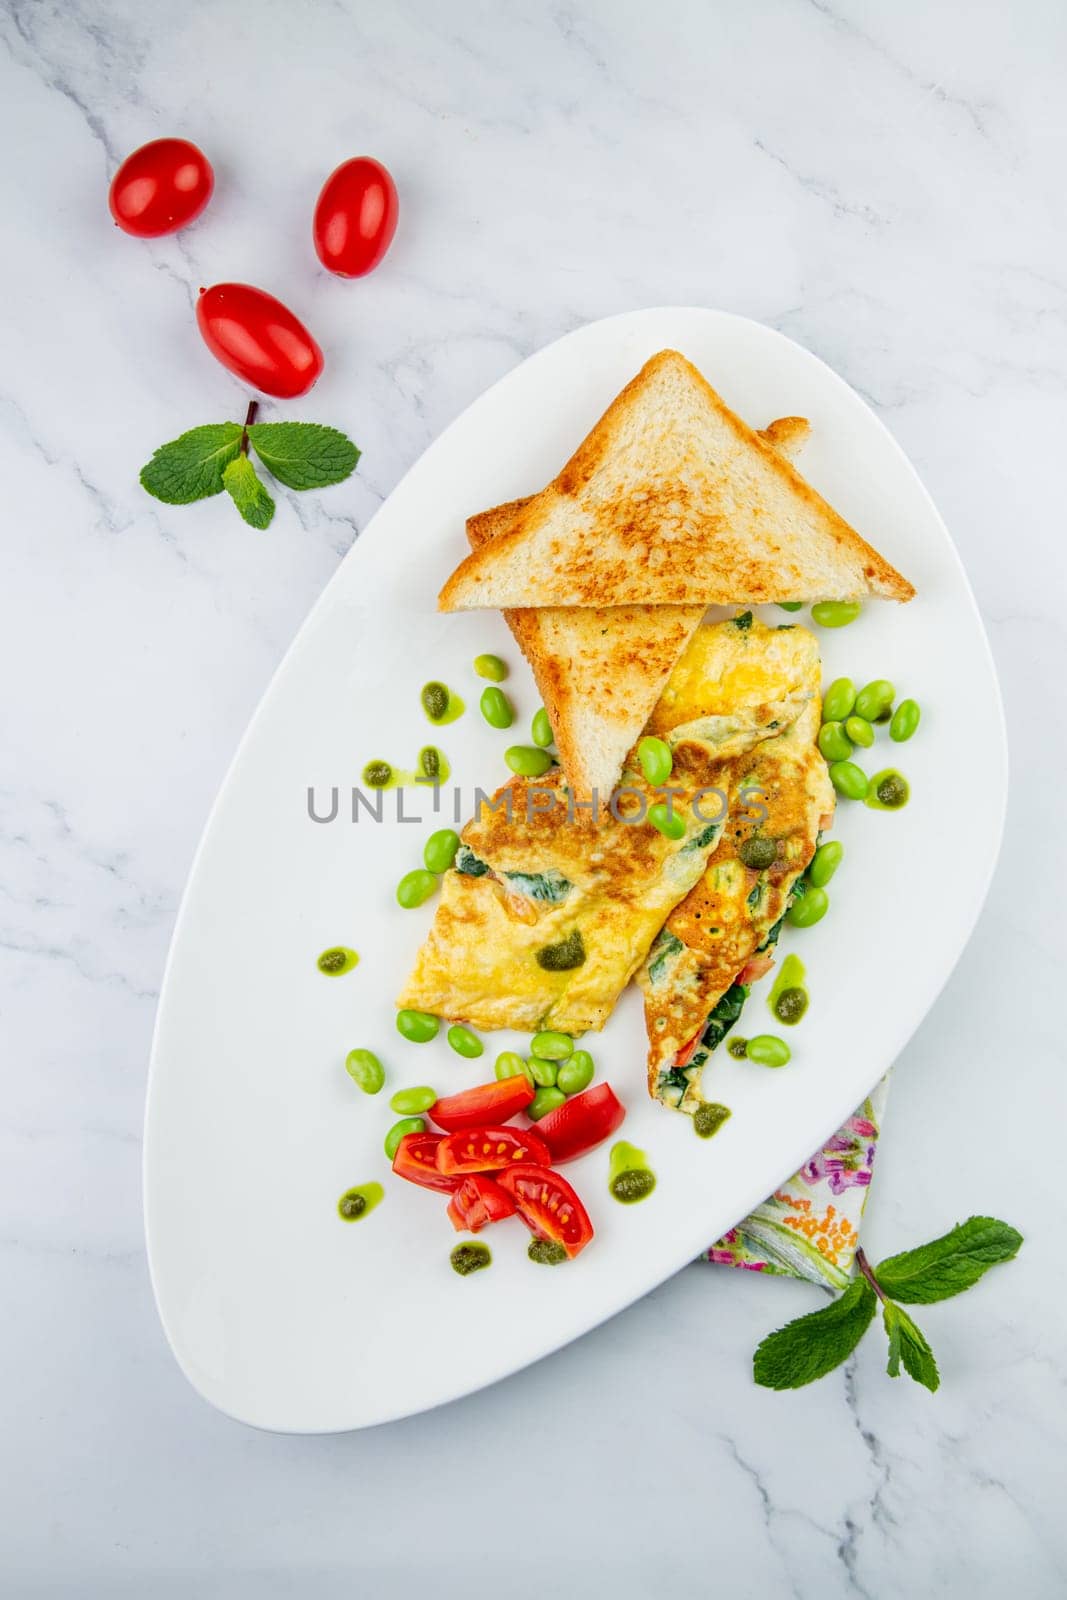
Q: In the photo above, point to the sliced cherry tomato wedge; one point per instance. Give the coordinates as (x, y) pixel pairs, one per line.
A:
(688, 1051)
(414, 1160)
(478, 1201)
(548, 1206)
(585, 1120)
(490, 1149)
(490, 1103)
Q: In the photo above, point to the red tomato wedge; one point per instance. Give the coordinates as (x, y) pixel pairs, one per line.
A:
(548, 1206)
(585, 1120)
(414, 1160)
(490, 1149)
(478, 1201)
(488, 1104)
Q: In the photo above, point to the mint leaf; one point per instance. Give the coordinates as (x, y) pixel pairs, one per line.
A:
(811, 1346)
(191, 466)
(948, 1265)
(247, 493)
(303, 455)
(908, 1345)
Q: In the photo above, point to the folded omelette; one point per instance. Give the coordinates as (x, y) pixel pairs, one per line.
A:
(548, 911)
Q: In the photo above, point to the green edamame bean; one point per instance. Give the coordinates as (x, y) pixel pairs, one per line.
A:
(656, 760)
(544, 1073)
(825, 862)
(835, 613)
(491, 667)
(464, 1042)
(874, 699)
(809, 909)
(418, 1026)
(575, 1074)
(905, 720)
(849, 780)
(768, 1050)
(834, 742)
(552, 1046)
(415, 887)
(541, 729)
(410, 1102)
(496, 707)
(839, 700)
(544, 1101)
(439, 851)
(509, 1064)
(399, 1129)
(859, 731)
(364, 1068)
(666, 822)
(526, 761)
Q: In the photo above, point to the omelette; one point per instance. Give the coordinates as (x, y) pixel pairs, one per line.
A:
(548, 910)
(718, 940)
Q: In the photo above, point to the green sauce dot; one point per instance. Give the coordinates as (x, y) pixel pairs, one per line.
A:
(377, 774)
(337, 961)
(633, 1185)
(468, 1258)
(708, 1118)
(738, 1048)
(546, 1251)
(791, 1005)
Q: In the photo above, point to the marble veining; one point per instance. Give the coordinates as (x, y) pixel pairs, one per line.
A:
(882, 183)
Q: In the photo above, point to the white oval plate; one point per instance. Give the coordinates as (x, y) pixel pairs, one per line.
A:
(279, 1313)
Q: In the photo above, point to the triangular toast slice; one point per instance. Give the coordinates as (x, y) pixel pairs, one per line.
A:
(601, 671)
(673, 500)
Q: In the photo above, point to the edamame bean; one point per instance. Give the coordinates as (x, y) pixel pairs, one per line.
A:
(835, 613)
(509, 1064)
(859, 731)
(544, 1073)
(544, 1101)
(758, 851)
(834, 742)
(874, 699)
(849, 780)
(496, 707)
(415, 887)
(809, 908)
(439, 851)
(904, 722)
(491, 667)
(364, 1068)
(397, 1132)
(552, 1046)
(541, 729)
(575, 1074)
(656, 760)
(666, 822)
(526, 761)
(409, 1102)
(464, 1042)
(768, 1050)
(839, 700)
(825, 862)
(418, 1026)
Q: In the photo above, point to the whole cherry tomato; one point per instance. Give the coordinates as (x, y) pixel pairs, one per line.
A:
(355, 217)
(160, 188)
(259, 339)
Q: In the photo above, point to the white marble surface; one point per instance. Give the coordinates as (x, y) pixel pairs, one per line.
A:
(883, 183)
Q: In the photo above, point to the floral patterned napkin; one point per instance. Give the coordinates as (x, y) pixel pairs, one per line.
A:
(809, 1227)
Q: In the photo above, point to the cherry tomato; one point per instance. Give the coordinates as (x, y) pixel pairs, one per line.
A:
(414, 1160)
(489, 1103)
(478, 1201)
(355, 217)
(259, 339)
(585, 1120)
(548, 1206)
(160, 188)
(489, 1149)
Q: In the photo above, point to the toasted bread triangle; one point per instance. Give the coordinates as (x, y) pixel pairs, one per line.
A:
(600, 671)
(673, 500)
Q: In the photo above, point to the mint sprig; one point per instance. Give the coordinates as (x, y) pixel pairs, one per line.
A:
(204, 461)
(811, 1346)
